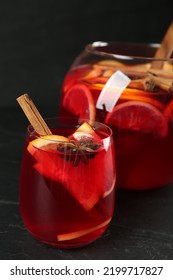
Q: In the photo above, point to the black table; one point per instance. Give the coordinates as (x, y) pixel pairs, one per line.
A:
(142, 226)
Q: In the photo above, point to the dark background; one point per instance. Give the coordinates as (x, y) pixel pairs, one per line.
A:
(39, 39)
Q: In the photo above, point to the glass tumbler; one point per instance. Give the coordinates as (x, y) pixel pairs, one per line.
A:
(67, 182)
(123, 86)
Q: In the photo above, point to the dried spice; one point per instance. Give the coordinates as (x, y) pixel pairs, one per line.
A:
(151, 82)
(76, 151)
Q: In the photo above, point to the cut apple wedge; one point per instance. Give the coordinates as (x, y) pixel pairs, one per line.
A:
(85, 130)
(51, 160)
(77, 234)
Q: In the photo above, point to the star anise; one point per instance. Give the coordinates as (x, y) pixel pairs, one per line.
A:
(76, 151)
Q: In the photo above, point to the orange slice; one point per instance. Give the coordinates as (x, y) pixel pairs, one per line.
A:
(99, 80)
(79, 101)
(93, 73)
(47, 142)
(143, 98)
(109, 63)
(135, 91)
(77, 234)
(77, 180)
(44, 152)
(134, 94)
(139, 116)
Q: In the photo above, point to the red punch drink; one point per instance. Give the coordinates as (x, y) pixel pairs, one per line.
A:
(67, 183)
(141, 114)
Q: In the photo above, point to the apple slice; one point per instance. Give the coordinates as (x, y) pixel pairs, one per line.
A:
(84, 131)
(49, 163)
(79, 233)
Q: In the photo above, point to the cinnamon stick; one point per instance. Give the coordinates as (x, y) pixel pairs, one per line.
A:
(150, 82)
(33, 115)
(165, 50)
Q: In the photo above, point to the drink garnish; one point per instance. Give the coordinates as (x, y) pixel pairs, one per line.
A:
(75, 148)
(148, 77)
(136, 95)
(135, 115)
(85, 130)
(33, 115)
(79, 233)
(165, 50)
(79, 101)
(81, 150)
(80, 146)
(48, 142)
(151, 82)
(55, 157)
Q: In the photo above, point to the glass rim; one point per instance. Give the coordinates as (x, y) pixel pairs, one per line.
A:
(98, 48)
(31, 130)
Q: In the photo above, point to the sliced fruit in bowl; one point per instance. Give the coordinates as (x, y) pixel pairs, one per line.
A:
(138, 116)
(79, 101)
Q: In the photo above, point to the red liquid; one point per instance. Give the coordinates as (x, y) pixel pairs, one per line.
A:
(66, 205)
(144, 159)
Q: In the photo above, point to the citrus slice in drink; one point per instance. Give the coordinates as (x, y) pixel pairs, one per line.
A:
(55, 166)
(138, 116)
(47, 142)
(44, 153)
(86, 130)
(83, 232)
(79, 101)
(139, 95)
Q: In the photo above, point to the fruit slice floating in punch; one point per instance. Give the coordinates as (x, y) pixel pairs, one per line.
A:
(49, 162)
(143, 97)
(79, 101)
(44, 153)
(47, 142)
(80, 233)
(139, 116)
(85, 130)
